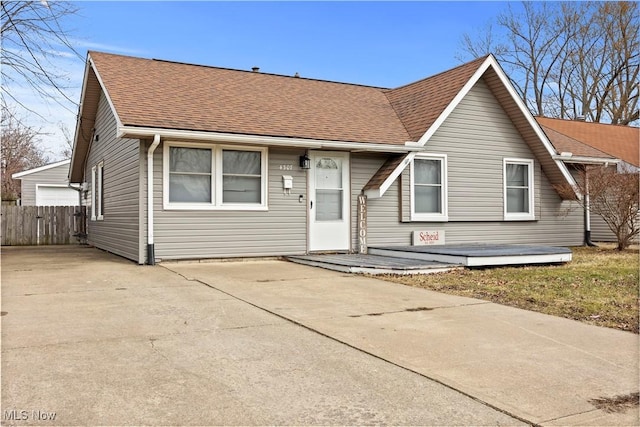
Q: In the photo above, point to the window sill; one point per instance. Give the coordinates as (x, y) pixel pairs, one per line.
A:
(208, 207)
(525, 217)
(429, 218)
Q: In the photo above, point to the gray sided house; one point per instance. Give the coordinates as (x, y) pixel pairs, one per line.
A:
(47, 186)
(184, 161)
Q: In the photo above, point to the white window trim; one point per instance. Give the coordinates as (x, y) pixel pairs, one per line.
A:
(432, 217)
(93, 193)
(510, 216)
(216, 179)
(96, 180)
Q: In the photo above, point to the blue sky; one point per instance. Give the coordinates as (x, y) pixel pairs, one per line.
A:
(384, 44)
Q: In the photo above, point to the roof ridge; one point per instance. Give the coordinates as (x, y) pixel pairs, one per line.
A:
(269, 74)
(590, 123)
(479, 59)
(190, 64)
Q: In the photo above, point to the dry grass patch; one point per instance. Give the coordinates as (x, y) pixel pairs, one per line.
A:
(600, 287)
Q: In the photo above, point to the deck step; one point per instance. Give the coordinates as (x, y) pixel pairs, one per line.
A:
(372, 264)
(479, 255)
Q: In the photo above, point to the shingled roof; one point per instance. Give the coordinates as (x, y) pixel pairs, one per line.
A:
(419, 104)
(150, 97)
(565, 144)
(162, 94)
(622, 142)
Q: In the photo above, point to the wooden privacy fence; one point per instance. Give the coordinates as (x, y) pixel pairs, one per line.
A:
(43, 225)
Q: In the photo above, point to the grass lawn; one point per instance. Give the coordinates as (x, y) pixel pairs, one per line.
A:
(600, 287)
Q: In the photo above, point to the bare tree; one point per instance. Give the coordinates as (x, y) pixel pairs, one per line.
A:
(33, 38)
(20, 151)
(67, 149)
(613, 196)
(568, 59)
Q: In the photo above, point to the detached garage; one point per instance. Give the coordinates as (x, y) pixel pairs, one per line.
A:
(47, 186)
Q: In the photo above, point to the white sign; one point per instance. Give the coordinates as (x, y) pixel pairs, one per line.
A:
(428, 237)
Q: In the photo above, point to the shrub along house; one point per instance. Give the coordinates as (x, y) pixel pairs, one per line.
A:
(185, 161)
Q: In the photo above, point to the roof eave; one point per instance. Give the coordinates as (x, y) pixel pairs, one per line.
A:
(19, 175)
(87, 112)
(587, 160)
(261, 140)
(378, 191)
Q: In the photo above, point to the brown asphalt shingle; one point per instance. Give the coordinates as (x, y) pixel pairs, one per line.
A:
(622, 142)
(162, 94)
(152, 93)
(419, 104)
(563, 143)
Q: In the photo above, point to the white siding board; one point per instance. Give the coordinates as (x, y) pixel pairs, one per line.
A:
(119, 231)
(281, 230)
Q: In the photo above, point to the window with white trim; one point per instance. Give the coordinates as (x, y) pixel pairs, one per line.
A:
(429, 188)
(518, 189)
(206, 176)
(97, 192)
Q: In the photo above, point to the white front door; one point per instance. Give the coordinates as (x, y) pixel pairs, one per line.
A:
(329, 201)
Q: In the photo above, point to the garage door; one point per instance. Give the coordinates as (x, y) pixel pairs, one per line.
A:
(56, 196)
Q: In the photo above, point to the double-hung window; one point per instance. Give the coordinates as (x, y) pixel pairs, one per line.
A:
(206, 176)
(518, 189)
(97, 192)
(190, 175)
(429, 188)
(241, 176)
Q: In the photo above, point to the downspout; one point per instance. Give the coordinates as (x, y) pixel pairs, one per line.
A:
(80, 235)
(587, 210)
(151, 258)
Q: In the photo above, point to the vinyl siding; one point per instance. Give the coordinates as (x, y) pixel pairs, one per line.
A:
(476, 137)
(600, 231)
(119, 231)
(281, 230)
(56, 175)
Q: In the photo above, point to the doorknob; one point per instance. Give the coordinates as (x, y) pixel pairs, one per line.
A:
(311, 204)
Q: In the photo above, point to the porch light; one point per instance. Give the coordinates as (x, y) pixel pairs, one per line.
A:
(305, 162)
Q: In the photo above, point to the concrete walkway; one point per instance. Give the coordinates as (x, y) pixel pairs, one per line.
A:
(542, 369)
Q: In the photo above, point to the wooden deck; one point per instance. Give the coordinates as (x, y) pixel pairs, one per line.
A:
(434, 259)
(479, 255)
(372, 264)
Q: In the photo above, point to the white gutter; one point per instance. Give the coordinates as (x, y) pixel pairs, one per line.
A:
(151, 259)
(586, 160)
(141, 132)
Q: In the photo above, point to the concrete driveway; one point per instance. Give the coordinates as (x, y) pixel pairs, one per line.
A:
(98, 340)
(91, 339)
